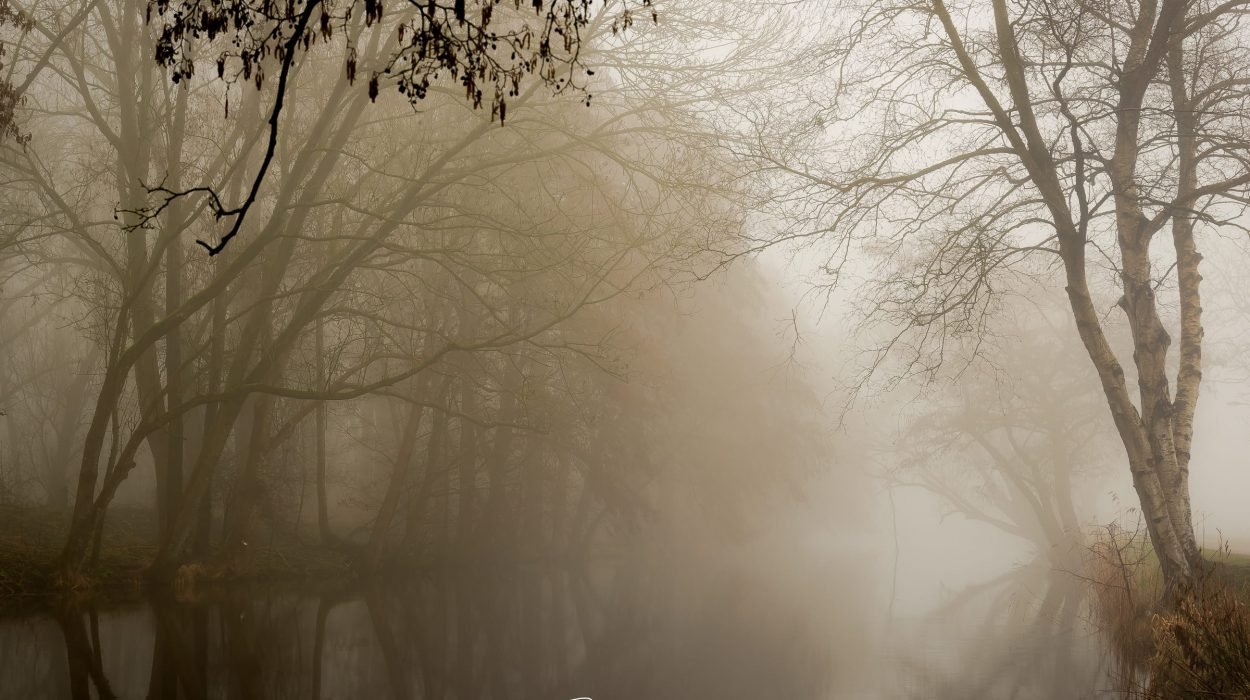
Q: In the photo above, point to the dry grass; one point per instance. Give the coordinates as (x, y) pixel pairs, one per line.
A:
(1202, 647)
(1197, 647)
(1127, 586)
(31, 539)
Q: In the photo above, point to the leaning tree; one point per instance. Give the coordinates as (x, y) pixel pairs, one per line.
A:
(968, 144)
(1012, 441)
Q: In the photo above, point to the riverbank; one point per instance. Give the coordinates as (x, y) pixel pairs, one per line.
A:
(1197, 646)
(31, 540)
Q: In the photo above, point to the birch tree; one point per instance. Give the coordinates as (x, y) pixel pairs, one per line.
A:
(966, 143)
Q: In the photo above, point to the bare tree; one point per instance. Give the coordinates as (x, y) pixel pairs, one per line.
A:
(968, 146)
(412, 284)
(1011, 440)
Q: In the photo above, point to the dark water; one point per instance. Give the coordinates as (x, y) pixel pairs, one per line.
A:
(676, 629)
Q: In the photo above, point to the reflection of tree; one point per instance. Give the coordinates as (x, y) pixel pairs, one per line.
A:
(1021, 635)
(175, 658)
(645, 632)
(83, 656)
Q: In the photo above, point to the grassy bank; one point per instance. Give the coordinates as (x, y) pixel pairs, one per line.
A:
(31, 538)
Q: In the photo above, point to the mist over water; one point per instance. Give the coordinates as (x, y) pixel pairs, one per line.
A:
(672, 629)
(624, 349)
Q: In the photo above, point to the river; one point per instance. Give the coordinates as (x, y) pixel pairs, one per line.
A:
(689, 627)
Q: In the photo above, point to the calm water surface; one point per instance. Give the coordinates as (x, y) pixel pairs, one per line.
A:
(673, 629)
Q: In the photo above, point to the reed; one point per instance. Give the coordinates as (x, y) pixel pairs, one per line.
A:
(1195, 643)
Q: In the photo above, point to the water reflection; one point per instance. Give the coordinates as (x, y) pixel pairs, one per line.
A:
(724, 632)
(1025, 635)
(612, 632)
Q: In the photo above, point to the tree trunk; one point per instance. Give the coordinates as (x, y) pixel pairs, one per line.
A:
(238, 543)
(435, 467)
(175, 447)
(57, 479)
(466, 482)
(83, 519)
(1189, 372)
(497, 517)
(323, 499)
(404, 466)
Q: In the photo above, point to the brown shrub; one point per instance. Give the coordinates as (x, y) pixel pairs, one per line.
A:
(1202, 646)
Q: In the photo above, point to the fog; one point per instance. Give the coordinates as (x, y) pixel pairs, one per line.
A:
(624, 349)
